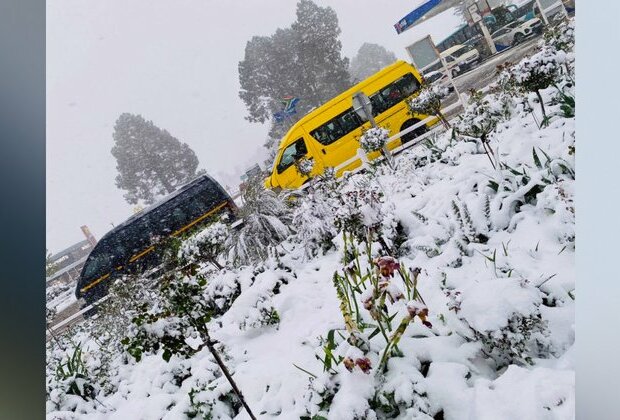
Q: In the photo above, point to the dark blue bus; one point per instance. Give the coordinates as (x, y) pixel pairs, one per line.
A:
(132, 247)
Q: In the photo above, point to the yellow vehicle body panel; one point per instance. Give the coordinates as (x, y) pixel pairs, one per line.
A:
(335, 153)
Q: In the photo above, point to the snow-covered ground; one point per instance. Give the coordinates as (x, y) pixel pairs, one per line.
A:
(489, 238)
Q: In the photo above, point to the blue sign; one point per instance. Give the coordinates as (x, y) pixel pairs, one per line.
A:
(416, 14)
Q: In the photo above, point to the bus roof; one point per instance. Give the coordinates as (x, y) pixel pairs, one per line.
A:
(162, 201)
(347, 93)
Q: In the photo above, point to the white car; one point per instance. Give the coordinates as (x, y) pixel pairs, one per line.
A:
(516, 32)
(438, 77)
(462, 56)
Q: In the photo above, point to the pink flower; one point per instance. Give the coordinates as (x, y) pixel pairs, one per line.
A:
(364, 364)
(387, 265)
(420, 310)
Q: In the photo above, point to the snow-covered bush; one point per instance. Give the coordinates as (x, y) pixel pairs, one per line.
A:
(428, 102)
(266, 223)
(503, 314)
(304, 166)
(180, 314)
(207, 401)
(374, 139)
(313, 215)
(481, 118)
(360, 207)
(561, 37)
(72, 385)
(538, 72)
(206, 245)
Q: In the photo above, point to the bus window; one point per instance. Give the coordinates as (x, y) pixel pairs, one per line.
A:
(393, 93)
(99, 264)
(337, 127)
(291, 154)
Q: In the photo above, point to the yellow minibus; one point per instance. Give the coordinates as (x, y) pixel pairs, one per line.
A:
(329, 135)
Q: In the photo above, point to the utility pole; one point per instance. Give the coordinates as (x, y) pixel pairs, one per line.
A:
(474, 16)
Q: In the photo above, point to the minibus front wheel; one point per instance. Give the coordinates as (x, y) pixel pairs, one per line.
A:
(413, 134)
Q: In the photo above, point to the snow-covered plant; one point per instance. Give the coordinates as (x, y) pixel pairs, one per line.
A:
(180, 317)
(304, 166)
(561, 37)
(360, 207)
(470, 232)
(538, 72)
(72, 378)
(53, 292)
(428, 102)
(208, 402)
(313, 216)
(481, 118)
(266, 223)
(374, 139)
(516, 332)
(177, 324)
(261, 314)
(206, 245)
(379, 299)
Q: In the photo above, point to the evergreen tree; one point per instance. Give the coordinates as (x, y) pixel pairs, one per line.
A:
(303, 60)
(370, 59)
(324, 71)
(150, 161)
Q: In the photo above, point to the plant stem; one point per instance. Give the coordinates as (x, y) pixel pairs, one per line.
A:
(224, 369)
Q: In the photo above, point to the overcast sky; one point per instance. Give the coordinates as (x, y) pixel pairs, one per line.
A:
(175, 63)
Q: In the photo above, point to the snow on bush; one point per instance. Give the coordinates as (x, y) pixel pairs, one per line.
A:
(304, 166)
(313, 215)
(503, 314)
(206, 245)
(428, 102)
(374, 139)
(266, 223)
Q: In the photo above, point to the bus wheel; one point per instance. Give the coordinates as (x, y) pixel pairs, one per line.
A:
(413, 134)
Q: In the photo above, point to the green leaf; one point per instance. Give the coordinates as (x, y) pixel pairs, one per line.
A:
(167, 355)
(546, 155)
(536, 159)
(375, 332)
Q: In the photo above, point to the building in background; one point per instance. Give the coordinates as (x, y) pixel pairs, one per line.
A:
(69, 261)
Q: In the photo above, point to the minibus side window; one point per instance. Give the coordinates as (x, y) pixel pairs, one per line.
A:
(337, 127)
(393, 93)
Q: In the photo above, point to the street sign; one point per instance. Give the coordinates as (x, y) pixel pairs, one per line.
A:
(423, 53)
(362, 106)
(474, 14)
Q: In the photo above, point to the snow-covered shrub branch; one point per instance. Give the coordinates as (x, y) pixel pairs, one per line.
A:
(428, 102)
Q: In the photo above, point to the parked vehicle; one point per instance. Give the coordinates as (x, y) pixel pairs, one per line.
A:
(439, 77)
(516, 32)
(329, 135)
(133, 246)
(461, 58)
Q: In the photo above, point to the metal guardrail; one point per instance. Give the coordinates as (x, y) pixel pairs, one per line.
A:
(67, 320)
(407, 145)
